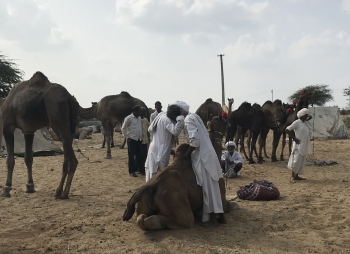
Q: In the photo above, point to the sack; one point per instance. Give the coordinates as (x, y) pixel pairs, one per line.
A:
(258, 190)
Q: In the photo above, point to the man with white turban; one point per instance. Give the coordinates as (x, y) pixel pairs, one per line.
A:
(231, 161)
(163, 129)
(205, 164)
(301, 145)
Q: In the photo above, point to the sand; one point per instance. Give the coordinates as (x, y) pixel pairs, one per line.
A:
(311, 216)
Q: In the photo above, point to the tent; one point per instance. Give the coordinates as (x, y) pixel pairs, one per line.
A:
(326, 122)
(43, 143)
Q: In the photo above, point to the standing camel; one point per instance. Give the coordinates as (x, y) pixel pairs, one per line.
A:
(1, 124)
(249, 118)
(110, 110)
(34, 104)
(209, 107)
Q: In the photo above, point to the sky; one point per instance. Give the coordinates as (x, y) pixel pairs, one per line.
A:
(167, 50)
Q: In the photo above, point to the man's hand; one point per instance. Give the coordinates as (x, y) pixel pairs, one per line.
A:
(296, 140)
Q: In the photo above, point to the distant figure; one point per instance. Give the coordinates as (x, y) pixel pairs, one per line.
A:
(164, 129)
(145, 135)
(132, 131)
(158, 107)
(231, 161)
(301, 145)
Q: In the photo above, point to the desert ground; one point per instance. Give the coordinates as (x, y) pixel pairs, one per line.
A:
(311, 216)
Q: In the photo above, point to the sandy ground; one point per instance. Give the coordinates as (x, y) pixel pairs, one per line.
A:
(311, 216)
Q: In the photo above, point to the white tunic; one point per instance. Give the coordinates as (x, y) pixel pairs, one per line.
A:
(159, 150)
(297, 158)
(205, 164)
(154, 115)
(236, 158)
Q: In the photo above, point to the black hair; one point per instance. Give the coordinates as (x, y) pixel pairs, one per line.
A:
(158, 102)
(136, 108)
(173, 111)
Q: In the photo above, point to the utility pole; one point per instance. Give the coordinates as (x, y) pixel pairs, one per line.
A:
(222, 80)
(272, 94)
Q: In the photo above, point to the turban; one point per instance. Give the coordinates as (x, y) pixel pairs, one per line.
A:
(224, 114)
(183, 105)
(303, 112)
(230, 143)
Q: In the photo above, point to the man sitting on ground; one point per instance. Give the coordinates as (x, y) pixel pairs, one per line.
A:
(231, 161)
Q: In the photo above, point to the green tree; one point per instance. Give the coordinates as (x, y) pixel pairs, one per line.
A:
(322, 96)
(9, 75)
(346, 91)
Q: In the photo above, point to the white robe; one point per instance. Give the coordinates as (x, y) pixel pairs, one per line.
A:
(205, 164)
(162, 129)
(236, 158)
(297, 158)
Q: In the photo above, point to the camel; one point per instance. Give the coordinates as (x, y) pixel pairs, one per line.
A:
(110, 110)
(228, 109)
(1, 124)
(249, 118)
(34, 104)
(209, 107)
(171, 199)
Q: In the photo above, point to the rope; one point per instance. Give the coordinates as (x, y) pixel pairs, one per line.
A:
(79, 150)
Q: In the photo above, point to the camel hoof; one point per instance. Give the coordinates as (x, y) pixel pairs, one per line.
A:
(112, 145)
(6, 192)
(251, 162)
(108, 156)
(273, 160)
(62, 197)
(121, 147)
(30, 188)
(281, 159)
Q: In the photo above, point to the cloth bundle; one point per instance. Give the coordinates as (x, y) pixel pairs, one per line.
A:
(258, 190)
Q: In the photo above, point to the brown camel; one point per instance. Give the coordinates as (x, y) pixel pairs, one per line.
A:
(171, 199)
(228, 109)
(209, 107)
(34, 104)
(1, 122)
(249, 118)
(110, 110)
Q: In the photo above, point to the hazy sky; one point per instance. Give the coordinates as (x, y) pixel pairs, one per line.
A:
(167, 49)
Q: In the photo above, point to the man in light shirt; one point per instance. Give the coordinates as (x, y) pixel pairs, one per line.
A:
(158, 107)
(132, 131)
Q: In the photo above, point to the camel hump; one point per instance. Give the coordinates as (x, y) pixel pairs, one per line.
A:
(277, 103)
(39, 79)
(245, 105)
(125, 94)
(256, 105)
(208, 100)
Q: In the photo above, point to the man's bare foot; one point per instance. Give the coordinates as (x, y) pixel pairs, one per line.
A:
(299, 178)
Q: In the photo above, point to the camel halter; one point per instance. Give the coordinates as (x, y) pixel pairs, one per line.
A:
(216, 139)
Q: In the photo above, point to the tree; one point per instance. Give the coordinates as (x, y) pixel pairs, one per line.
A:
(346, 92)
(9, 75)
(322, 96)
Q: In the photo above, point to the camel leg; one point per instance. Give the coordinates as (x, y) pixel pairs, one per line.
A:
(69, 166)
(108, 140)
(276, 139)
(265, 154)
(10, 143)
(225, 203)
(283, 145)
(243, 132)
(253, 146)
(28, 158)
(123, 145)
(155, 222)
(112, 136)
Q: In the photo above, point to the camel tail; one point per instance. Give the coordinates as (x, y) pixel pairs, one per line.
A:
(73, 113)
(130, 207)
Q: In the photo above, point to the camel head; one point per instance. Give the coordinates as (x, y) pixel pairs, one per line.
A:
(230, 101)
(181, 150)
(218, 124)
(305, 98)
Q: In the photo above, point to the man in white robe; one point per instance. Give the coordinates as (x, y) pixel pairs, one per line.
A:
(301, 145)
(205, 164)
(231, 161)
(164, 128)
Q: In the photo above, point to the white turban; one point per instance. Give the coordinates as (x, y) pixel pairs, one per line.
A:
(230, 143)
(183, 105)
(303, 112)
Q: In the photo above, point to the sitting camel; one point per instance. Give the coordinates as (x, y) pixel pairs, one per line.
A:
(35, 104)
(171, 199)
(110, 110)
(209, 107)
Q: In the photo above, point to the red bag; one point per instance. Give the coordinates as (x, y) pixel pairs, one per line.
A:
(258, 190)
